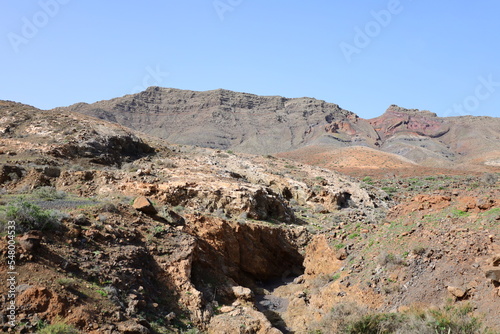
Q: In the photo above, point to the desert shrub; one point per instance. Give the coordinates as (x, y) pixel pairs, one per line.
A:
(368, 180)
(29, 216)
(59, 328)
(419, 250)
(109, 207)
(389, 258)
(390, 190)
(490, 179)
(49, 193)
(349, 318)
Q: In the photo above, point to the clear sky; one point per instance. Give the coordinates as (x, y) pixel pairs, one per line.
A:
(442, 56)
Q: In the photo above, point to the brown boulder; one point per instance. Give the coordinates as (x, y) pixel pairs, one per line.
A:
(132, 327)
(242, 293)
(241, 320)
(457, 292)
(30, 241)
(493, 273)
(143, 204)
(495, 260)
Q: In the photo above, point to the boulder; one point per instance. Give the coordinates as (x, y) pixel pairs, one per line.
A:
(242, 293)
(493, 273)
(132, 327)
(457, 292)
(30, 241)
(495, 260)
(143, 204)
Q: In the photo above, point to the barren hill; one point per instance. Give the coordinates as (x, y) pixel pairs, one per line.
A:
(249, 123)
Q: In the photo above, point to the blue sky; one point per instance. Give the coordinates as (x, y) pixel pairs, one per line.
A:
(443, 56)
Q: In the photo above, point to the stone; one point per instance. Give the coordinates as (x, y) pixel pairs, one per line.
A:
(493, 273)
(226, 309)
(495, 260)
(82, 220)
(242, 293)
(299, 280)
(455, 291)
(143, 204)
(30, 241)
(341, 254)
(52, 171)
(132, 327)
(171, 316)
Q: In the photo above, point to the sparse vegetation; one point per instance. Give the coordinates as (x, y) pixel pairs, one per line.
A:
(490, 179)
(29, 216)
(49, 193)
(389, 258)
(419, 250)
(59, 328)
(348, 318)
(368, 180)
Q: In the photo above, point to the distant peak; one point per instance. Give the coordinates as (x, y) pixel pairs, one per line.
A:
(393, 108)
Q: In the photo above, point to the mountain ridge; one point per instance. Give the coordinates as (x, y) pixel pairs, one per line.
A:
(249, 123)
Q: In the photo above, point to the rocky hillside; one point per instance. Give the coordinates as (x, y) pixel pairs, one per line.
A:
(254, 124)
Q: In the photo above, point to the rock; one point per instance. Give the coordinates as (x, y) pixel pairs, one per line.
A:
(171, 316)
(299, 280)
(132, 327)
(143, 204)
(341, 254)
(495, 260)
(52, 171)
(226, 309)
(242, 293)
(242, 320)
(457, 292)
(30, 241)
(81, 219)
(493, 273)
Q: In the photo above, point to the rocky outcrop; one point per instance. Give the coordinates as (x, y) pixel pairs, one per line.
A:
(143, 204)
(243, 320)
(233, 200)
(105, 150)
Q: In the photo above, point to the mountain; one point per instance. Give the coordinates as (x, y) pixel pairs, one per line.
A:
(254, 124)
(224, 119)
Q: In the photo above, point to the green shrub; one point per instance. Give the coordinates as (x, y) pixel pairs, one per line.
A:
(389, 258)
(390, 190)
(59, 328)
(349, 318)
(49, 193)
(368, 180)
(29, 216)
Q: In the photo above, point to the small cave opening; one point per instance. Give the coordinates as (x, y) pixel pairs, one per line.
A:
(344, 200)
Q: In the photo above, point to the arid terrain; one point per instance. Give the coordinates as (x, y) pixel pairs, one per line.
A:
(174, 211)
